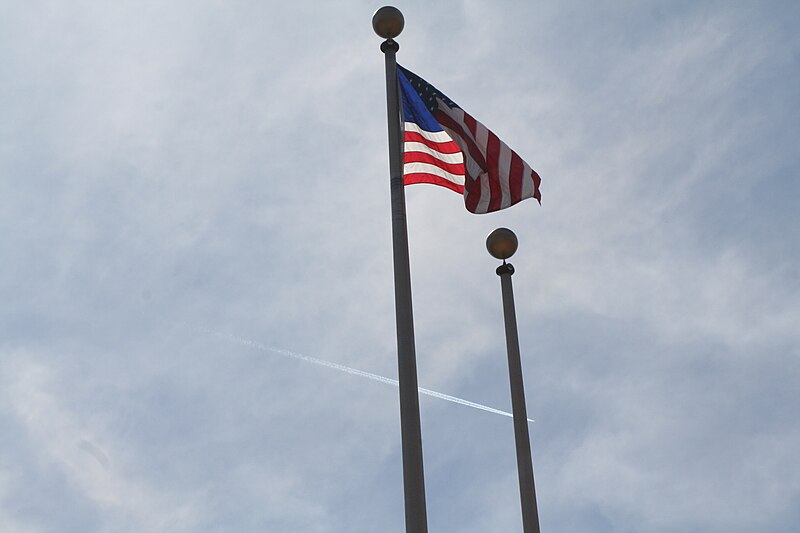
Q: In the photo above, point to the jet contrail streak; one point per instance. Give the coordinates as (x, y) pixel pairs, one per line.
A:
(353, 371)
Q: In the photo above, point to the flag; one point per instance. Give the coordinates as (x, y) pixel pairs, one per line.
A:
(444, 145)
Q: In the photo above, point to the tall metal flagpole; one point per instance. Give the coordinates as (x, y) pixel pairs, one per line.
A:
(388, 23)
(502, 243)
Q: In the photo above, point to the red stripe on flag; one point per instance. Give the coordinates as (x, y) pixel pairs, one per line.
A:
(472, 184)
(448, 147)
(472, 125)
(472, 193)
(411, 179)
(471, 197)
(474, 150)
(515, 177)
(493, 167)
(536, 182)
(422, 157)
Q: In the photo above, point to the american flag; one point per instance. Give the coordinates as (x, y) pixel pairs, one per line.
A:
(444, 145)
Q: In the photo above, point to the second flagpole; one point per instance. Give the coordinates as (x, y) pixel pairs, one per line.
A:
(502, 243)
(388, 23)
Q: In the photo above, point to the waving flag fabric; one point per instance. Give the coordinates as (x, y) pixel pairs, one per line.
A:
(444, 145)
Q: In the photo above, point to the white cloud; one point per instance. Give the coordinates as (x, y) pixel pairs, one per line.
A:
(77, 445)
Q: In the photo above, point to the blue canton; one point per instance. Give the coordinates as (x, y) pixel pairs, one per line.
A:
(427, 92)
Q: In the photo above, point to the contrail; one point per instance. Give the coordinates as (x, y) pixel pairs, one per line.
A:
(353, 371)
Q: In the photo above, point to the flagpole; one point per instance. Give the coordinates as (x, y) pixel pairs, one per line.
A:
(388, 23)
(502, 243)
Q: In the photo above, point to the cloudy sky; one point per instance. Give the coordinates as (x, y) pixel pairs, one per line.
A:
(193, 192)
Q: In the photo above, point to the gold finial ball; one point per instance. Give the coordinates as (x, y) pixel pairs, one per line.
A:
(502, 243)
(388, 22)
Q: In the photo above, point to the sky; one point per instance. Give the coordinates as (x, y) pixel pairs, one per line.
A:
(195, 232)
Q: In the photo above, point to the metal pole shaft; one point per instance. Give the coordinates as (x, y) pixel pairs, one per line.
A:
(527, 491)
(411, 434)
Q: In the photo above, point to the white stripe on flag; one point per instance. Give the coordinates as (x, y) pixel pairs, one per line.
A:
(527, 180)
(436, 136)
(424, 148)
(470, 165)
(504, 173)
(481, 137)
(457, 114)
(427, 168)
(473, 168)
(486, 193)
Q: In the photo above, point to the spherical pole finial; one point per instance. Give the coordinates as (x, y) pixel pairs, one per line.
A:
(502, 243)
(388, 22)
